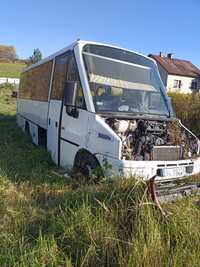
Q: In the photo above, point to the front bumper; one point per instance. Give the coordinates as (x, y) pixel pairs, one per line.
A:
(164, 170)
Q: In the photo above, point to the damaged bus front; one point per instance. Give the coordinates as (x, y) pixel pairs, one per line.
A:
(134, 129)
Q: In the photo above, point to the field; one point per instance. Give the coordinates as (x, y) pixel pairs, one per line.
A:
(11, 70)
(49, 220)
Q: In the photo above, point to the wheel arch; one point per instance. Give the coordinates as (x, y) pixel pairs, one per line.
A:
(85, 162)
(85, 151)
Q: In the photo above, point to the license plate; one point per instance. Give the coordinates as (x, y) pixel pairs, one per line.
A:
(173, 172)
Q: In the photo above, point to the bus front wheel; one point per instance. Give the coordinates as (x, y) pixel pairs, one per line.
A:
(87, 165)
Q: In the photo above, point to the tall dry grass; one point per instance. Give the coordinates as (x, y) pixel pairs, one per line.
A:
(187, 108)
(47, 220)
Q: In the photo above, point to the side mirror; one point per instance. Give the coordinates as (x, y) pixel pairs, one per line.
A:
(70, 93)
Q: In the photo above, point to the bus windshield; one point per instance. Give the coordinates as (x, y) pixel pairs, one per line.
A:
(124, 82)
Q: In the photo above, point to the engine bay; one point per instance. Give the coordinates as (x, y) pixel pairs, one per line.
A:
(144, 139)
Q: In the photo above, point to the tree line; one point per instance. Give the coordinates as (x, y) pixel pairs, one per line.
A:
(8, 54)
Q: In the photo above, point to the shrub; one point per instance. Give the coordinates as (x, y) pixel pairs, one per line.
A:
(187, 109)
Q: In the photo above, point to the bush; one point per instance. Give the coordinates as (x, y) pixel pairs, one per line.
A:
(187, 108)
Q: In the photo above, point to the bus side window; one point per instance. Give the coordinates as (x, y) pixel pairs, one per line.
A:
(59, 76)
(35, 82)
(73, 75)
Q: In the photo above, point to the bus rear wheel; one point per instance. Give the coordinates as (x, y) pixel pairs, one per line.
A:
(27, 128)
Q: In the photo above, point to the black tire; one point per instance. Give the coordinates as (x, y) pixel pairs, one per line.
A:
(42, 137)
(27, 128)
(87, 165)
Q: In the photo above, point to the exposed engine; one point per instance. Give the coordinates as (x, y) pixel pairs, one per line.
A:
(154, 140)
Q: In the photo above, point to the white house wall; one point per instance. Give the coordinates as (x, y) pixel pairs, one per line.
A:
(198, 83)
(185, 84)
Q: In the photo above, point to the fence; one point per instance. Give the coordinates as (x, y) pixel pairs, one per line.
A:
(14, 81)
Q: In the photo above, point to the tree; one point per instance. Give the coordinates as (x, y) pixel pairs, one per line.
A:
(7, 52)
(37, 56)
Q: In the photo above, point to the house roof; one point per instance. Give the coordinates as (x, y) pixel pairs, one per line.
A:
(177, 66)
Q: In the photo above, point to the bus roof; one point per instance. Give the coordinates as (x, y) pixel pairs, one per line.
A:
(71, 46)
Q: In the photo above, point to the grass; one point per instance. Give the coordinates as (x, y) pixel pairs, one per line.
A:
(47, 220)
(11, 70)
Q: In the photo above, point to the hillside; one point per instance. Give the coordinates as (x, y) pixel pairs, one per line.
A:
(11, 70)
(7, 52)
(48, 220)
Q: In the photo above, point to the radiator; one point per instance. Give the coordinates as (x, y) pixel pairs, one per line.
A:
(166, 153)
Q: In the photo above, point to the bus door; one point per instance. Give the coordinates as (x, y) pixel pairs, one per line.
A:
(74, 117)
(55, 105)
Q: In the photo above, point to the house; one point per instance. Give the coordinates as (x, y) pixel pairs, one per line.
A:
(177, 74)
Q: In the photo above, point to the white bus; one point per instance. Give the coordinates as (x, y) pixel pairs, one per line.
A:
(95, 105)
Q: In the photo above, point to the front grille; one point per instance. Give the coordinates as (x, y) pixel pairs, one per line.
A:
(166, 153)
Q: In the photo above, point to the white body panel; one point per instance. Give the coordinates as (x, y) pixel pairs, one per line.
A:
(34, 133)
(35, 111)
(148, 169)
(74, 136)
(33, 128)
(109, 145)
(53, 128)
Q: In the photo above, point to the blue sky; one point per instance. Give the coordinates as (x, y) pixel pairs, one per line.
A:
(146, 26)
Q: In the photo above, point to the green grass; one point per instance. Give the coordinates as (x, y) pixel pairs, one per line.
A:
(11, 70)
(47, 220)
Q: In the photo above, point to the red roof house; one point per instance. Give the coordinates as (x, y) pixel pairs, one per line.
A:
(177, 74)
